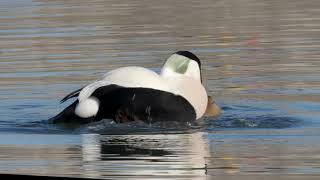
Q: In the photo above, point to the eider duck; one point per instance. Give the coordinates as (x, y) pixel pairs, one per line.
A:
(136, 93)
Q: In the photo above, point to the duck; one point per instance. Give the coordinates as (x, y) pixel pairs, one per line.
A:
(136, 93)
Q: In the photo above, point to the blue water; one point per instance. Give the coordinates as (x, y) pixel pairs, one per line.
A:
(259, 62)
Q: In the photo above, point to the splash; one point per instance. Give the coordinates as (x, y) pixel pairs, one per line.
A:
(108, 126)
(259, 121)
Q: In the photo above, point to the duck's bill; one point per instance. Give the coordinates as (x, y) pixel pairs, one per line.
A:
(213, 110)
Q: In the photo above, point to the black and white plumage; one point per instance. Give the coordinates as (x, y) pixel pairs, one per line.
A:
(136, 93)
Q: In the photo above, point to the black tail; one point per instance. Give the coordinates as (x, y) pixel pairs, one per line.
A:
(68, 116)
(71, 95)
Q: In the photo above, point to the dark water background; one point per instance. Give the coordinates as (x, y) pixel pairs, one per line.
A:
(260, 62)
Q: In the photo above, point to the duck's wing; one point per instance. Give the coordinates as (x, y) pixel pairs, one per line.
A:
(101, 91)
(71, 95)
(87, 91)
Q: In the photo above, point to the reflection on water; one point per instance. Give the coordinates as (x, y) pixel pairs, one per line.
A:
(173, 155)
(260, 62)
(119, 156)
(278, 154)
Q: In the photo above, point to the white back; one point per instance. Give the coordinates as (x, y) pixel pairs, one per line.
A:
(127, 77)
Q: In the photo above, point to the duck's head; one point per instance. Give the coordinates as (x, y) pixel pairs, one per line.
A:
(182, 63)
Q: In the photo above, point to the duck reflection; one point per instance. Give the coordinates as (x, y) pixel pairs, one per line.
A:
(145, 155)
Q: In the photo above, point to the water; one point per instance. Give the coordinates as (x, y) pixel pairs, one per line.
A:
(260, 62)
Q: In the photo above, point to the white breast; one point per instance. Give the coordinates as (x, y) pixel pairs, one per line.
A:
(192, 90)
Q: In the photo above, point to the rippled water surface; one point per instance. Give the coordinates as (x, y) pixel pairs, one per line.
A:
(259, 62)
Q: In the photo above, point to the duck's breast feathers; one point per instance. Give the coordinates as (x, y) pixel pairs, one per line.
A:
(127, 77)
(192, 90)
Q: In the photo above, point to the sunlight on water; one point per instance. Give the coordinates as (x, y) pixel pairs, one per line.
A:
(260, 63)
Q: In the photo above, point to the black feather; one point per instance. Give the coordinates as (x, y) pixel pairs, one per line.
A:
(71, 95)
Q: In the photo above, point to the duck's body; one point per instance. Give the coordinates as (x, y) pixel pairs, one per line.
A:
(136, 93)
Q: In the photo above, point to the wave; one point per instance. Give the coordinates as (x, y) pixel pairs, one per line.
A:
(258, 121)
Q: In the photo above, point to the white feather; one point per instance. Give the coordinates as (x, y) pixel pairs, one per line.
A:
(193, 71)
(192, 90)
(87, 108)
(127, 77)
